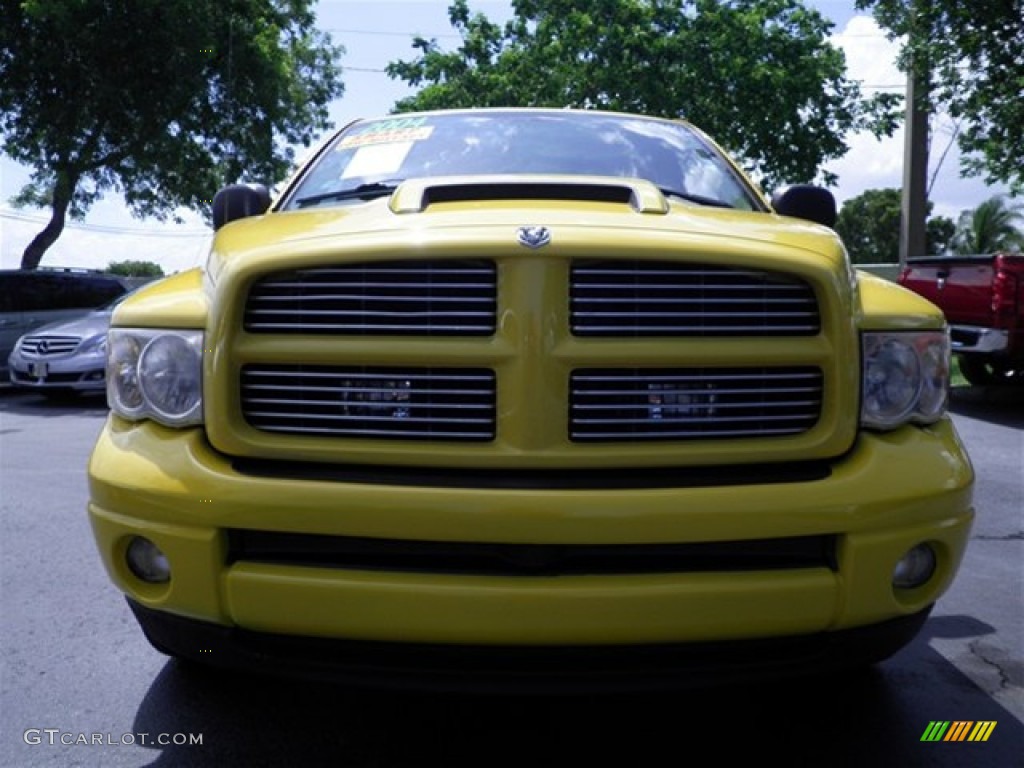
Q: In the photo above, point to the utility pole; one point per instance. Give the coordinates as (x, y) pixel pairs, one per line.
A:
(915, 170)
(914, 206)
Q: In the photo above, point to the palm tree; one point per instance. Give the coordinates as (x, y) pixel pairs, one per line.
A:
(990, 227)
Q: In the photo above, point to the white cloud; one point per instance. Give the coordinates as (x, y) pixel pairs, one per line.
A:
(875, 164)
(871, 60)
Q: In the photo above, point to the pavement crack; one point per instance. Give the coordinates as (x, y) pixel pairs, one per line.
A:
(994, 658)
(1018, 536)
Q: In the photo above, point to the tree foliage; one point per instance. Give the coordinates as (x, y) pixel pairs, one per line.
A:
(938, 235)
(992, 226)
(135, 268)
(758, 75)
(869, 225)
(973, 53)
(164, 100)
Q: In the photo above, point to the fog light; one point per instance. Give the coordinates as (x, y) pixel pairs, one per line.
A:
(914, 568)
(146, 561)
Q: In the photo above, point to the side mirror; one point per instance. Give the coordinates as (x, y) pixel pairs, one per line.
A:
(806, 201)
(239, 201)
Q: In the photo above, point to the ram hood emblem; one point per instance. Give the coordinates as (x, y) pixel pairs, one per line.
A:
(534, 237)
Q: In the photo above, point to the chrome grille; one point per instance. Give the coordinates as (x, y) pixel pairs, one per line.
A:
(642, 298)
(410, 298)
(44, 346)
(692, 403)
(371, 402)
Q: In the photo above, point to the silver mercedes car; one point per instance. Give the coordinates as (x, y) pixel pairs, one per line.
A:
(66, 356)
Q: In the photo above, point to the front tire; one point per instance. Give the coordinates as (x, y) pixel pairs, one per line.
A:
(983, 371)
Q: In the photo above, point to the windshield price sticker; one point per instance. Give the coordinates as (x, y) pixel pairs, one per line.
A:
(377, 159)
(389, 132)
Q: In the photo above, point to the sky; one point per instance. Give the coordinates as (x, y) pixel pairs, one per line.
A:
(375, 32)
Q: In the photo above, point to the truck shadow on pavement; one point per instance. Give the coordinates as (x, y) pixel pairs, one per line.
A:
(1002, 405)
(873, 717)
(28, 403)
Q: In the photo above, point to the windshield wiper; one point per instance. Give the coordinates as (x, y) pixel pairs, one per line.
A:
(699, 199)
(369, 191)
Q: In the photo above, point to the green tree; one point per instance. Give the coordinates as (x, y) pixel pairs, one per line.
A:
(758, 75)
(135, 268)
(869, 225)
(990, 227)
(939, 233)
(974, 54)
(164, 100)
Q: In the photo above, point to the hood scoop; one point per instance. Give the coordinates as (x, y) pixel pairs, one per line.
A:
(415, 195)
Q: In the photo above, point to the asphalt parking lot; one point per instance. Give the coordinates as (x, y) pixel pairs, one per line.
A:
(75, 665)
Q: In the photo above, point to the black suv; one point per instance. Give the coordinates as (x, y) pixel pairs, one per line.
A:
(31, 298)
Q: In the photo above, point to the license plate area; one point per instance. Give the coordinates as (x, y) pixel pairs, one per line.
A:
(38, 370)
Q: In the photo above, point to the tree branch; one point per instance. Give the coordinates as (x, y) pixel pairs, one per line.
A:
(63, 191)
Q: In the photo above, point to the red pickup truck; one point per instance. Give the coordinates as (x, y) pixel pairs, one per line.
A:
(983, 300)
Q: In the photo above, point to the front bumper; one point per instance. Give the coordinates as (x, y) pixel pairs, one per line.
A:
(81, 373)
(976, 339)
(890, 493)
(524, 669)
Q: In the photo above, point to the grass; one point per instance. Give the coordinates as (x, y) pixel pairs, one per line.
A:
(956, 378)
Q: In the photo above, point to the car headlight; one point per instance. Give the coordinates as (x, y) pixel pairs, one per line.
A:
(905, 378)
(94, 344)
(156, 374)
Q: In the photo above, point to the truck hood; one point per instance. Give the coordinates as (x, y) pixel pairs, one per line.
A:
(364, 227)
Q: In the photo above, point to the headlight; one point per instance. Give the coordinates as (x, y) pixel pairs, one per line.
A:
(94, 344)
(905, 378)
(156, 374)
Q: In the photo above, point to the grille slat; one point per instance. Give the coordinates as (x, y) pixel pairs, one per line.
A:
(381, 313)
(718, 406)
(362, 297)
(698, 403)
(695, 285)
(383, 329)
(367, 419)
(412, 298)
(679, 314)
(718, 391)
(371, 402)
(637, 299)
(409, 434)
(718, 419)
(459, 392)
(723, 301)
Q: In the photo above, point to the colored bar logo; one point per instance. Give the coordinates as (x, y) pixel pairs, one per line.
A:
(958, 730)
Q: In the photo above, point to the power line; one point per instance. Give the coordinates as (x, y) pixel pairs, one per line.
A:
(104, 228)
(391, 33)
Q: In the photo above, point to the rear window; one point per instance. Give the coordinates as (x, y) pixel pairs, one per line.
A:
(26, 292)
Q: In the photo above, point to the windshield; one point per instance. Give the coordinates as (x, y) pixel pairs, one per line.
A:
(371, 157)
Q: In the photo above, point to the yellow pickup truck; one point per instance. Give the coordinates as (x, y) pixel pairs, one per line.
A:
(526, 398)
